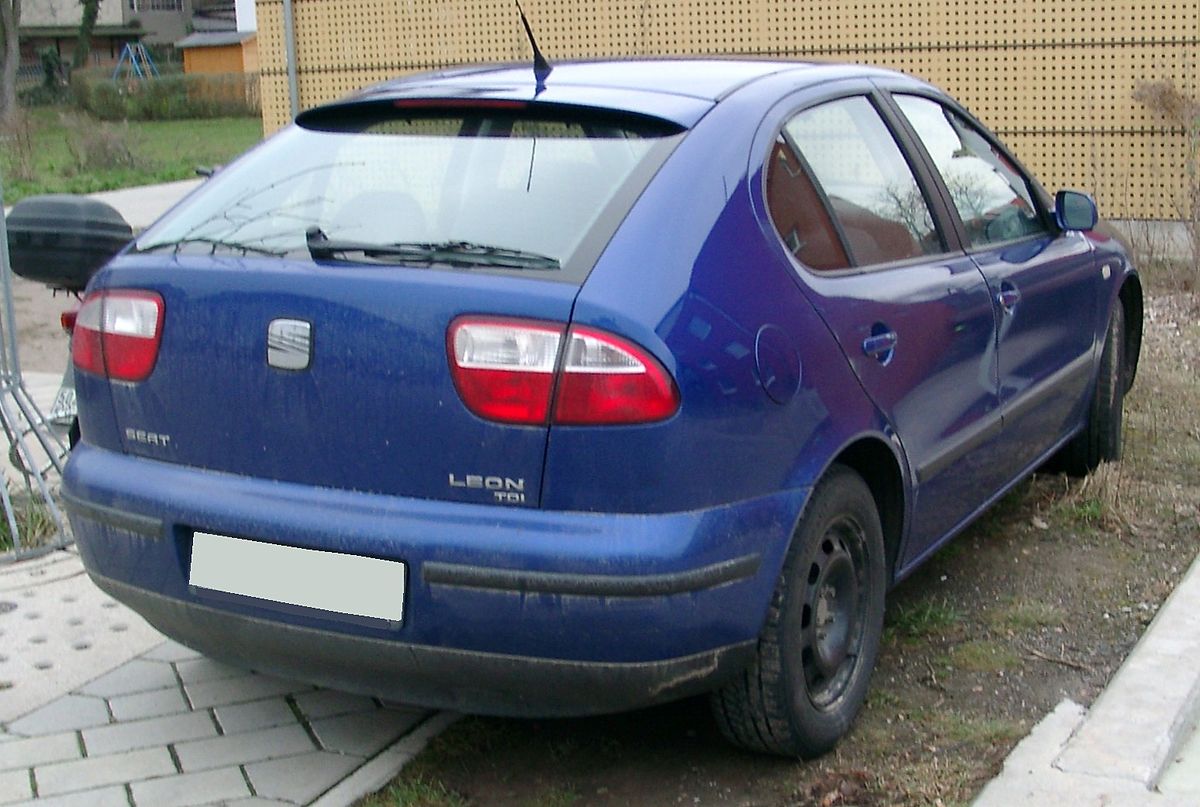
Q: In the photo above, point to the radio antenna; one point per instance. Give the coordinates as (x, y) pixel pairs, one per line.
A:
(541, 67)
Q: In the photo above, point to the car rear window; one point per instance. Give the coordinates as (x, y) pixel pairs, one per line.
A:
(508, 180)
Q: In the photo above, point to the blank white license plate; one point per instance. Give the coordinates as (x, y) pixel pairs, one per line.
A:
(329, 581)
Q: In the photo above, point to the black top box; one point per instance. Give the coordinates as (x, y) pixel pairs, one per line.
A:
(61, 239)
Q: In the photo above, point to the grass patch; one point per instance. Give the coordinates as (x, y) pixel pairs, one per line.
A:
(981, 655)
(34, 523)
(415, 792)
(1099, 499)
(556, 796)
(1024, 615)
(159, 151)
(920, 619)
(955, 728)
(420, 783)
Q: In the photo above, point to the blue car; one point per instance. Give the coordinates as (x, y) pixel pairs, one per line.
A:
(560, 395)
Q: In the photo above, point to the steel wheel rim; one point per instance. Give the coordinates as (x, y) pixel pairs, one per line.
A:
(833, 618)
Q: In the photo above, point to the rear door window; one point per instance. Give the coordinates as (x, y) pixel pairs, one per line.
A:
(992, 197)
(851, 197)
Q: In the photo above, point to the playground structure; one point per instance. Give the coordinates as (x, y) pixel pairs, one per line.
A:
(135, 63)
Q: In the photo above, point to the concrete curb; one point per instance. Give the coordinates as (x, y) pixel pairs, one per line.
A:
(1150, 707)
(1117, 753)
(379, 771)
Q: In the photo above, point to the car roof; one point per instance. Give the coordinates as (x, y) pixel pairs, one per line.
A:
(681, 90)
(705, 79)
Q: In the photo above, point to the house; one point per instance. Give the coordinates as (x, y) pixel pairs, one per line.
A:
(55, 23)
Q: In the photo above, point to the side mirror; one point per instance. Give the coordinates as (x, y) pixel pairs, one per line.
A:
(1075, 211)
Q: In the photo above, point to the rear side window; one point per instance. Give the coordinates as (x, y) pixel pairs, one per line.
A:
(841, 192)
(800, 212)
(991, 196)
(522, 187)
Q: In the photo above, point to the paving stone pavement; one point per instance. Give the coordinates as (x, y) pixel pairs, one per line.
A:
(95, 714)
(98, 709)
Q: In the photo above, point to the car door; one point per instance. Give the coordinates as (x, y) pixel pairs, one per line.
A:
(912, 312)
(1044, 283)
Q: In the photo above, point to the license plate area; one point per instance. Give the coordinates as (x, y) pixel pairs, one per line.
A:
(293, 579)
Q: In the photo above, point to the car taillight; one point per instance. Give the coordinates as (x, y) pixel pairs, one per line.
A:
(607, 380)
(67, 319)
(117, 334)
(504, 369)
(511, 371)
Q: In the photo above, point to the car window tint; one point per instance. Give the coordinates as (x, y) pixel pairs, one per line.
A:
(870, 187)
(799, 212)
(993, 199)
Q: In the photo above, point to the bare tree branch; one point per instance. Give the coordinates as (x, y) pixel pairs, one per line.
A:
(10, 57)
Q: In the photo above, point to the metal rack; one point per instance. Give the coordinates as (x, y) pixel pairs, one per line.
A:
(36, 449)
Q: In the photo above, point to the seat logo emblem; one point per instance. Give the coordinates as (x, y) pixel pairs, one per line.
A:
(289, 344)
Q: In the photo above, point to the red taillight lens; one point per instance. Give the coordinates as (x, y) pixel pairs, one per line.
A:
(67, 319)
(509, 371)
(117, 334)
(504, 369)
(607, 380)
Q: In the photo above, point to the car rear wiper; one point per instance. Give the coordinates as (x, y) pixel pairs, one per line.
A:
(454, 253)
(213, 244)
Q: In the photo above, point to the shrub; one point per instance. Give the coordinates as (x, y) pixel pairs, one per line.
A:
(52, 67)
(168, 97)
(1179, 109)
(19, 135)
(99, 146)
(52, 88)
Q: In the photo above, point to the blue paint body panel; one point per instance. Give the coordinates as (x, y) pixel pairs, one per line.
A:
(358, 452)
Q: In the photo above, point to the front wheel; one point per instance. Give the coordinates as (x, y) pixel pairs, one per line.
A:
(819, 644)
(1100, 440)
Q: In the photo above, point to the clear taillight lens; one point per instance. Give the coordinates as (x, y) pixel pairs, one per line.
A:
(504, 369)
(508, 370)
(608, 380)
(117, 334)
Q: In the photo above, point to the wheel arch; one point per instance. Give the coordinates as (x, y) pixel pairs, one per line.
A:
(1132, 300)
(875, 461)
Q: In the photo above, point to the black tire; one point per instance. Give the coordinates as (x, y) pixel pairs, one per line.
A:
(819, 644)
(1100, 440)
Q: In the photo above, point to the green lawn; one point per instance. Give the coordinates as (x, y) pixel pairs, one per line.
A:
(162, 151)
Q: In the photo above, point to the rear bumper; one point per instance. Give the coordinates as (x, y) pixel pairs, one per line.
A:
(506, 611)
(465, 681)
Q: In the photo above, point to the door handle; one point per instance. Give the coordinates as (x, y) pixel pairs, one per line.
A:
(1008, 297)
(881, 344)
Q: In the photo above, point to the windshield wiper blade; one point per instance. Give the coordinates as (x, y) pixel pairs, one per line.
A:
(214, 244)
(455, 253)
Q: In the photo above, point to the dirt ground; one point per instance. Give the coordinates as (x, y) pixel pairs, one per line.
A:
(42, 345)
(1039, 601)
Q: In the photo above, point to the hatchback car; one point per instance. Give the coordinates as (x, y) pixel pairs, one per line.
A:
(564, 395)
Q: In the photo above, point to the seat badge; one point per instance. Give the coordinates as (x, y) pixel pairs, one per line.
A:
(289, 344)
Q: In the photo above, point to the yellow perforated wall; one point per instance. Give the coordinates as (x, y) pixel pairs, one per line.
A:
(1053, 79)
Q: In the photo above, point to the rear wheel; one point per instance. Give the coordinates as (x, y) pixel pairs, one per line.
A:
(1100, 440)
(818, 647)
